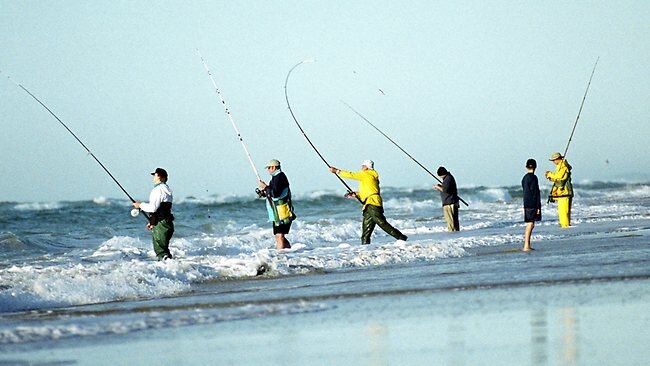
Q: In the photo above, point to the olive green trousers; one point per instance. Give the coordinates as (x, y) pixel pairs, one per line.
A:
(162, 233)
(374, 215)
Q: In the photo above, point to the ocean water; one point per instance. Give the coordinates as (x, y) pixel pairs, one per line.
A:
(84, 270)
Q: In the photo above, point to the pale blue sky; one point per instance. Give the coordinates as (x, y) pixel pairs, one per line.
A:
(476, 86)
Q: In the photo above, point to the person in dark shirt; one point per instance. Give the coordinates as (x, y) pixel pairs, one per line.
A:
(278, 203)
(532, 202)
(449, 197)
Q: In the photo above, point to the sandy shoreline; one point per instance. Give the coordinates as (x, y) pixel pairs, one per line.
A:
(575, 324)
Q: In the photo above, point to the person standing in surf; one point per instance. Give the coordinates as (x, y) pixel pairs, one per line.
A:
(532, 202)
(161, 220)
(369, 195)
(562, 190)
(449, 196)
(278, 203)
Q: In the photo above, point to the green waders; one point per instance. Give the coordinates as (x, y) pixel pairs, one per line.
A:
(162, 233)
(374, 215)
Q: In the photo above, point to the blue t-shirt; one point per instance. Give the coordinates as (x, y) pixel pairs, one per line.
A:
(530, 186)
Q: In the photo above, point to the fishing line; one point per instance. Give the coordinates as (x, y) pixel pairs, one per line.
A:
(399, 147)
(580, 110)
(227, 110)
(286, 96)
(82, 144)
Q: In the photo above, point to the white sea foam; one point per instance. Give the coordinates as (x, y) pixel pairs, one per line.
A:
(62, 327)
(101, 201)
(38, 206)
(316, 195)
(494, 195)
(124, 268)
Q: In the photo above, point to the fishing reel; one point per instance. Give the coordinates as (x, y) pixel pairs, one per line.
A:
(135, 212)
(260, 193)
(350, 195)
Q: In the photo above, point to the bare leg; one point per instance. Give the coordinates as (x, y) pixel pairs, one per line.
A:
(281, 242)
(527, 234)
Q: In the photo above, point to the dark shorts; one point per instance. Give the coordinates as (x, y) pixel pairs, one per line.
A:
(281, 229)
(530, 215)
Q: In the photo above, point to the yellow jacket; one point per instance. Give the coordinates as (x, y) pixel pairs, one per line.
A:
(368, 186)
(561, 179)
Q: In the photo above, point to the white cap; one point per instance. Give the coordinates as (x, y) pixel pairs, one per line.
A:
(368, 164)
(273, 162)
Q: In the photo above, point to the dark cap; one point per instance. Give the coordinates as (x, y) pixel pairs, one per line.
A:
(161, 172)
(442, 171)
(531, 164)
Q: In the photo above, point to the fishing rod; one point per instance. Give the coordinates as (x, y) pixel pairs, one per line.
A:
(227, 110)
(575, 124)
(286, 96)
(260, 194)
(133, 212)
(399, 147)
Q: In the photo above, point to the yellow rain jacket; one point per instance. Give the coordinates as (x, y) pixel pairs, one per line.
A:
(368, 186)
(561, 179)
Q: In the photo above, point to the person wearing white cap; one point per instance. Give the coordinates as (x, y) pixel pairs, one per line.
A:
(278, 203)
(373, 210)
(562, 190)
(161, 220)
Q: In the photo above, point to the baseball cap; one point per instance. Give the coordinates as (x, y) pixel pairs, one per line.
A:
(161, 172)
(273, 162)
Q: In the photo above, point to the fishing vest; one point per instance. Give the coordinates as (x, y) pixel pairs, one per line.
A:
(280, 209)
(164, 212)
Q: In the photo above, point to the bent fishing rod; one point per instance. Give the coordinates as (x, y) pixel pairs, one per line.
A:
(580, 110)
(286, 96)
(399, 147)
(84, 146)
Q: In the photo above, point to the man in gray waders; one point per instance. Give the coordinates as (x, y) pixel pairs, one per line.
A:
(161, 220)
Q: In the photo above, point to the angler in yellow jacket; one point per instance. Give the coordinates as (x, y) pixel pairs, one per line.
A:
(373, 210)
(562, 190)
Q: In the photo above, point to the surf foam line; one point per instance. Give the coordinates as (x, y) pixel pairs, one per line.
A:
(79, 323)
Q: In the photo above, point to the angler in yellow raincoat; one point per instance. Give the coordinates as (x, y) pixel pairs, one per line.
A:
(373, 210)
(562, 190)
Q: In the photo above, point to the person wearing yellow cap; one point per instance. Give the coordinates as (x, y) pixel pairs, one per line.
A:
(373, 209)
(278, 203)
(562, 190)
(161, 220)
